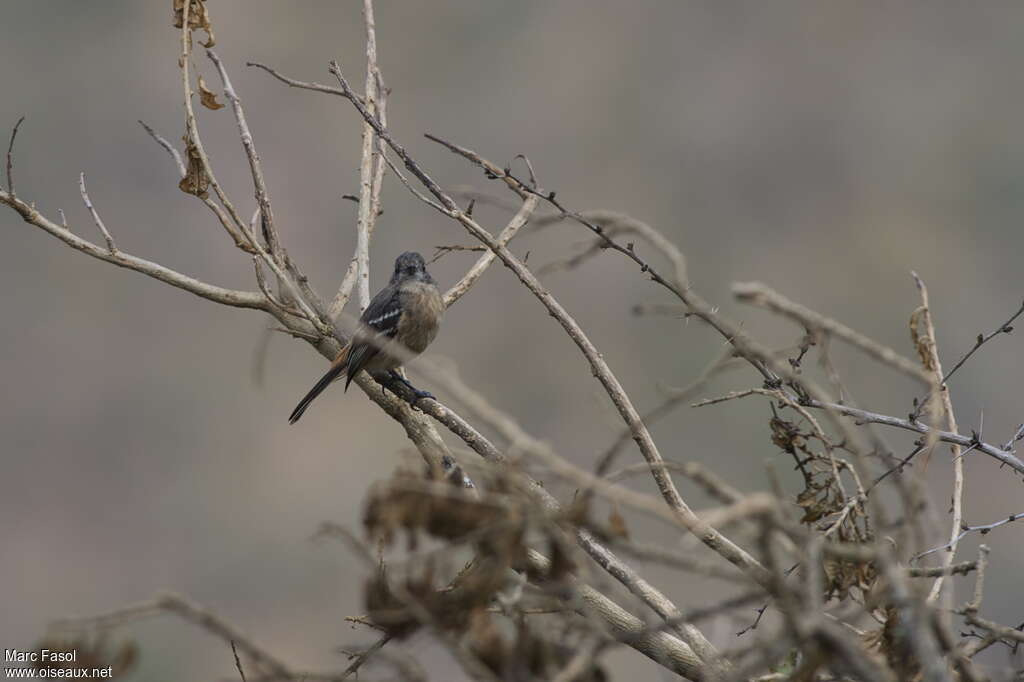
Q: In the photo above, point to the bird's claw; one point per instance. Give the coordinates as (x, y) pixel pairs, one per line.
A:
(418, 395)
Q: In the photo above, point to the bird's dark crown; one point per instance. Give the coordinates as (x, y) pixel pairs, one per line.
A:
(410, 265)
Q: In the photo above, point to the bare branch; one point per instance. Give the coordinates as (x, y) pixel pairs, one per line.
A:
(367, 211)
(231, 297)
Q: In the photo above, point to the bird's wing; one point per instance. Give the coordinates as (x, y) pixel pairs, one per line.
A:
(380, 317)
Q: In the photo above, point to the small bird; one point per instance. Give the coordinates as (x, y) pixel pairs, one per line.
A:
(408, 311)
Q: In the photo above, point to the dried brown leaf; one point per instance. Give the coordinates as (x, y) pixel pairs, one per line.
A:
(196, 181)
(919, 337)
(208, 97)
(786, 435)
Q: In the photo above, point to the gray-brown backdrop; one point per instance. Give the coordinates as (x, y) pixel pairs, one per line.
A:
(826, 149)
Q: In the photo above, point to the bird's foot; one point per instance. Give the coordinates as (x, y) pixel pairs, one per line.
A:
(421, 395)
(417, 393)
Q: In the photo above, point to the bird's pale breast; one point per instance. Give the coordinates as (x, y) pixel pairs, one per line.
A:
(423, 307)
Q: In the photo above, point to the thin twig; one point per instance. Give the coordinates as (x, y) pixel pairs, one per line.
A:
(984, 529)
(255, 167)
(171, 149)
(238, 661)
(111, 246)
(291, 82)
(10, 163)
(981, 340)
(363, 656)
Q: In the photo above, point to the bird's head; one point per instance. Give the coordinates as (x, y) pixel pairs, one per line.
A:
(410, 265)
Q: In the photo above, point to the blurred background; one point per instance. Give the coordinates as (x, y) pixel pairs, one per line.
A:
(826, 149)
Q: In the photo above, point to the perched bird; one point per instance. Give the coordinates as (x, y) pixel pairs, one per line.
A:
(406, 312)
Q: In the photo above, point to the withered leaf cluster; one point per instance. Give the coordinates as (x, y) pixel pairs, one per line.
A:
(824, 505)
(198, 17)
(470, 605)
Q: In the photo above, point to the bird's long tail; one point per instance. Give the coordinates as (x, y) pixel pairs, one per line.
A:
(337, 367)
